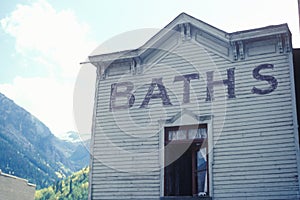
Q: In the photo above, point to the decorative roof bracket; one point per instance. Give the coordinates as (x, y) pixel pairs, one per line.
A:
(241, 50)
(138, 65)
(287, 43)
(100, 71)
(280, 44)
(188, 30)
(234, 50)
(185, 31)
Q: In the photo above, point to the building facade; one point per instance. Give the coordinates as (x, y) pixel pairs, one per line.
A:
(197, 113)
(13, 188)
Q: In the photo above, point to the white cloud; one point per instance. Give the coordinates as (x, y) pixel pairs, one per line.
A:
(56, 36)
(54, 40)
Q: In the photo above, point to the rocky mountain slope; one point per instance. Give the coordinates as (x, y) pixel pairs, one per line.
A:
(29, 150)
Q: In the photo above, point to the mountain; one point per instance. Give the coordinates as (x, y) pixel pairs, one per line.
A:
(73, 187)
(80, 157)
(70, 136)
(75, 149)
(29, 150)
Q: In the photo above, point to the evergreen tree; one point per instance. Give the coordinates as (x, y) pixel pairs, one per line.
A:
(70, 187)
(73, 187)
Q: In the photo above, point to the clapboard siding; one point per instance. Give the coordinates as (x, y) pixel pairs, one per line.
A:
(246, 114)
(113, 184)
(254, 150)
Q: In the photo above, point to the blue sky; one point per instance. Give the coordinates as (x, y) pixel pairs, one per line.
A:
(42, 42)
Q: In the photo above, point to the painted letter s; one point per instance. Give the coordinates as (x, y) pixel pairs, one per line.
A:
(270, 79)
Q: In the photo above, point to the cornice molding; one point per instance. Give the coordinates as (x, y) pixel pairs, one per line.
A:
(234, 47)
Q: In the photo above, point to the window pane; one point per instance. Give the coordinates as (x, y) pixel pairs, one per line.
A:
(177, 135)
(172, 134)
(192, 133)
(181, 135)
(202, 171)
(202, 133)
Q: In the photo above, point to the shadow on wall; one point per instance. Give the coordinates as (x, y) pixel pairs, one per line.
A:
(296, 60)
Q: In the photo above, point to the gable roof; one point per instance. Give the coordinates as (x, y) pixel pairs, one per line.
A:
(181, 26)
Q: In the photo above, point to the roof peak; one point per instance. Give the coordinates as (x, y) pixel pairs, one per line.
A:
(181, 25)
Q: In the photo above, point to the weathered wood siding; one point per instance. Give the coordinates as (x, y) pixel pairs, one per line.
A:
(255, 157)
(254, 149)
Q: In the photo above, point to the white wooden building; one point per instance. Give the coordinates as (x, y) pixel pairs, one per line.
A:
(197, 113)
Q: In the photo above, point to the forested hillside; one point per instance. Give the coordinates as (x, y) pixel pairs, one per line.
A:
(71, 188)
